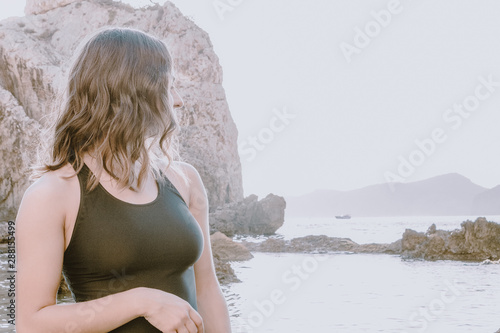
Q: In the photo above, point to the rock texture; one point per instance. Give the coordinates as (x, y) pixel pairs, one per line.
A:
(4, 234)
(224, 271)
(489, 262)
(227, 249)
(19, 135)
(249, 216)
(42, 6)
(479, 240)
(321, 244)
(35, 53)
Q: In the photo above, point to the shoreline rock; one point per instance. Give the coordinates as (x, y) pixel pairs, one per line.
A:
(478, 240)
(321, 244)
(475, 241)
(227, 249)
(249, 216)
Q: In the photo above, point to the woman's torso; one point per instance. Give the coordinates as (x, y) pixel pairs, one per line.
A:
(114, 245)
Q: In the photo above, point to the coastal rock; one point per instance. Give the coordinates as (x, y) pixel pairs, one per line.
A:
(391, 248)
(224, 249)
(479, 240)
(412, 239)
(224, 271)
(63, 290)
(489, 262)
(249, 216)
(227, 249)
(35, 53)
(321, 244)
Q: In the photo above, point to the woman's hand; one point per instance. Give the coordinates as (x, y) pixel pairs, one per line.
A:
(170, 313)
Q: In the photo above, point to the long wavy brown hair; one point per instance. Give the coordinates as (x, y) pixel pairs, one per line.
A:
(117, 108)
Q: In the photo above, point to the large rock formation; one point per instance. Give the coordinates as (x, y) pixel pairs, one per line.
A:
(35, 53)
(479, 240)
(249, 216)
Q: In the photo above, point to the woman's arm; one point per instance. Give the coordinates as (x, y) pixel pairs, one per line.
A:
(40, 249)
(211, 303)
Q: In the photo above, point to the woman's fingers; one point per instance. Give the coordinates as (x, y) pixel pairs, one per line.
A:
(197, 320)
(183, 329)
(170, 313)
(191, 327)
(194, 323)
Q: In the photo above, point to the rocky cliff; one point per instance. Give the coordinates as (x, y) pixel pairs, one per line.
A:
(35, 53)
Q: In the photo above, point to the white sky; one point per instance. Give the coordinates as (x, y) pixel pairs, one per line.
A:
(353, 120)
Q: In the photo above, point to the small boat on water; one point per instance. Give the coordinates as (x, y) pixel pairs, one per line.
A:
(343, 217)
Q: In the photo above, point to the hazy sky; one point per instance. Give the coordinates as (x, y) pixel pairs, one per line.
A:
(344, 94)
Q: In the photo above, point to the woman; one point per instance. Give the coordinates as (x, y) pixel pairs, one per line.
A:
(126, 225)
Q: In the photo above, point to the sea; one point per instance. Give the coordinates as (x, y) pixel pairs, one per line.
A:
(348, 292)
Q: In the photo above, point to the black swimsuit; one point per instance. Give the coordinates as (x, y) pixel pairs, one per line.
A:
(116, 246)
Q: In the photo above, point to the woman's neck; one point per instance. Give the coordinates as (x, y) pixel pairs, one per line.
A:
(95, 165)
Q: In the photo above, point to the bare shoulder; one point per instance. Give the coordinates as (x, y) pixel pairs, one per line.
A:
(54, 183)
(189, 170)
(51, 192)
(188, 178)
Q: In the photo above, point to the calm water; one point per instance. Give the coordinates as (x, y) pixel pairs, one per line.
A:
(364, 293)
(352, 293)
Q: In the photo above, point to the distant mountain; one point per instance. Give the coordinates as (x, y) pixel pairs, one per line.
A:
(487, 203)
(450, 194)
